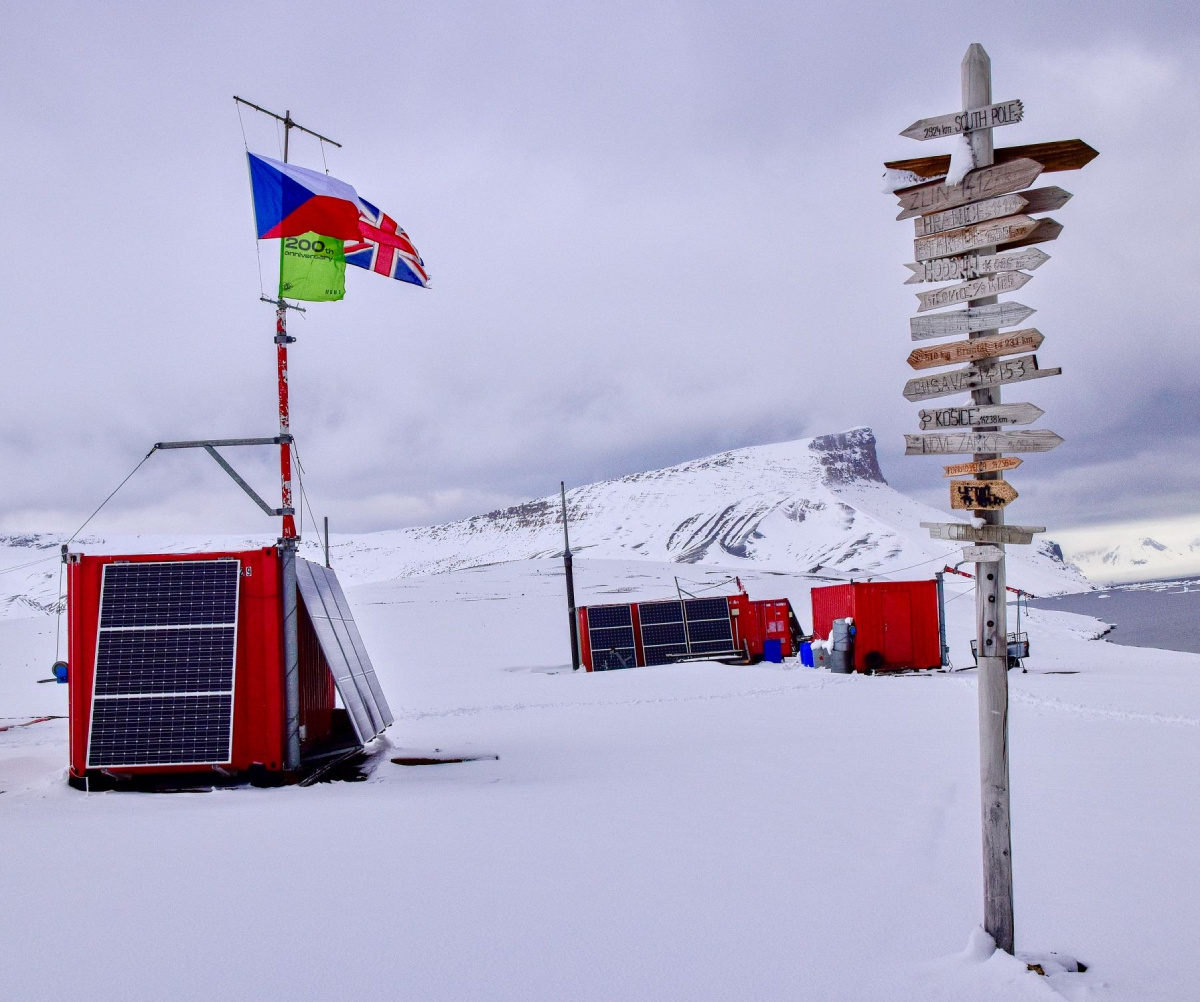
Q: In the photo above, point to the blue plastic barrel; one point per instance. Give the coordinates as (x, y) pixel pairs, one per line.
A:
(806, 657)
(773, 651)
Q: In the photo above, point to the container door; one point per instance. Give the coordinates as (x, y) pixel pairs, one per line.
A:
(897, 628)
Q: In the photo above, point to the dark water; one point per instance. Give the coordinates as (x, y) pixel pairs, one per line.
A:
(1163, 614)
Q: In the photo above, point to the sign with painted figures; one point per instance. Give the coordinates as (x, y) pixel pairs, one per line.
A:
(977, 442)
(989, 117)
(978, 288)
(981, 495)
(1012, 370)
(986, 182)
(962, 532)
(991, 346)
(982, 466)
(976, 318)
(965, 266)
(979, 415)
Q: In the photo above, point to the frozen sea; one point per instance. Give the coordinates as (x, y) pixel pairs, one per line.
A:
(1162, 614)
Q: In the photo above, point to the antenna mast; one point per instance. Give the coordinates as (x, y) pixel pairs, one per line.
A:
(289, 538)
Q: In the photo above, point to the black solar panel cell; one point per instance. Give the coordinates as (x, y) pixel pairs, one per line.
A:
(160, 730)
(612, 660)
(664, 655)
(602, 640)
(710, 629)
(603, 616)
(174, 593)
(660, 612)
(707, 608)
(199, 659)
(663, 633)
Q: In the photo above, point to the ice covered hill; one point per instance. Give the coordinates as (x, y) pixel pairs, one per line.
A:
(817, 505)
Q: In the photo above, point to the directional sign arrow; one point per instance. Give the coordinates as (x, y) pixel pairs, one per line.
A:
(1045, 231)
(992, 346)
(1045, 199)
(1010, 370)
(981, 495)
(1063, 154)
(977, 288)
(977, 415)
(965, 266)
(989, 117)
(982, 466)
(961, 532)
(992, 233)
(977, 318)
(985, 182)
(982, 554)
(966, 215)
(950, 442)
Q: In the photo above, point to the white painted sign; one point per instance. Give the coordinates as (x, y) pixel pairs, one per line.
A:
(986, 182)
(966, 215)
(1012, 370)
(977, 318)
(976, 415)
(965, 266)
(992, 233)
(977, 288)
(982, 554)
(977, 442)
(989, 117)
(961, 532)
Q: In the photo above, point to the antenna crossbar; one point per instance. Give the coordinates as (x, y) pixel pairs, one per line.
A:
(287, 120)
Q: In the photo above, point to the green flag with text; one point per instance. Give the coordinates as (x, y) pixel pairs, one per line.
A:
(312, 268)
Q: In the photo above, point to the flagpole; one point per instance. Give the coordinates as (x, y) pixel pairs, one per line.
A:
(289, 539)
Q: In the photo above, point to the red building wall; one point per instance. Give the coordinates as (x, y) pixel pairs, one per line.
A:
(896, 622)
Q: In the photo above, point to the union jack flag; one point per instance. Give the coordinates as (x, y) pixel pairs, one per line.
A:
(385, 248)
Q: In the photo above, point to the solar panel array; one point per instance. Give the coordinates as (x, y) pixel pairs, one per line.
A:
(342, 645)
(165, 661)
(708, 625)
(664, 638)
(610, 632)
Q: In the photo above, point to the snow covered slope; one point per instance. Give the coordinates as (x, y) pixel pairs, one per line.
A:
(818, 505)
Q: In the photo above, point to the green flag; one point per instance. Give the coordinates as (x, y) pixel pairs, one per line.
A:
(312, 268)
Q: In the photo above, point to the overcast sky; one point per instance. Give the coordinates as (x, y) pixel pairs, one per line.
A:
(655, 230)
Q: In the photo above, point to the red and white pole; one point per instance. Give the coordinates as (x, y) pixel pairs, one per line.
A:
(282, 340)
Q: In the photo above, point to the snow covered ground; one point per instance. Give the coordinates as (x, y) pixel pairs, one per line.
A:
(686, 832)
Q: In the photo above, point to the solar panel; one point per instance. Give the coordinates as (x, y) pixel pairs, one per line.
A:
(163, 682)
(342, 645)
(610, 633)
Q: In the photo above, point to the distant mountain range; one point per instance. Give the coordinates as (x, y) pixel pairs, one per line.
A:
(817, 505)
(1140, 558)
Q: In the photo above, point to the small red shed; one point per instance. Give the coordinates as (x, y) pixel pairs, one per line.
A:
(638, 634)
(176, 665)
(896, 622)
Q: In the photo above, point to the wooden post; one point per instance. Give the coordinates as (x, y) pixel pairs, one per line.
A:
(990, 614)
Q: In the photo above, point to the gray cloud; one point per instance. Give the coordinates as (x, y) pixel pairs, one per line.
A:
(655, 231)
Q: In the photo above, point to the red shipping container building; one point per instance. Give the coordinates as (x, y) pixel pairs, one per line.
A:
(176, 665)
(896, 622)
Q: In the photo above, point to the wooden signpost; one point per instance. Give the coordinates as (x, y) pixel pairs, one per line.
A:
(977, 318)
(981, 495)
(978, 288)
(983, 183)
(977, 377)
(979, 415)
(965, 266)
(982, 465)
(1005, 113)
(992, 346)
(980, 442)
(973, 233)
(961, 532)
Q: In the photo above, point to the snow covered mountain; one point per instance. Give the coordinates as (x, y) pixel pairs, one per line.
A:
(818, 506)
(1138, 559)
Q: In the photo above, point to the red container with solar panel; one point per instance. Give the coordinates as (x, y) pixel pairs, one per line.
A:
(734, 628)
(177, 666)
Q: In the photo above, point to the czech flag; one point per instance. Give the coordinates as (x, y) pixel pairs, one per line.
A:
(290, 201)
